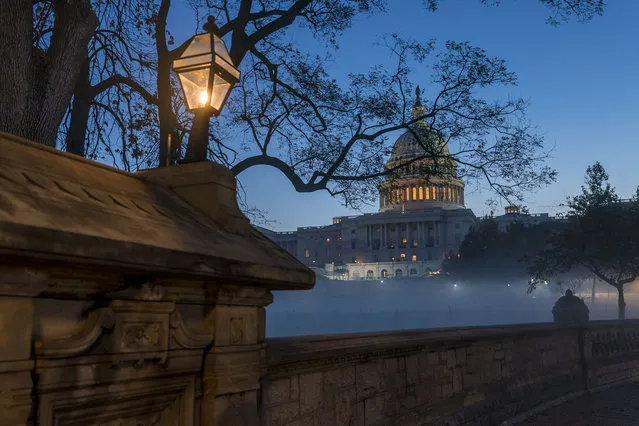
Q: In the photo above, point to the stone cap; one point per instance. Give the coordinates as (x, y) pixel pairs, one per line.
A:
(179, 221)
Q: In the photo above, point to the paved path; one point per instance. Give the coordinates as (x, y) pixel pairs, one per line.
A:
(618, 406)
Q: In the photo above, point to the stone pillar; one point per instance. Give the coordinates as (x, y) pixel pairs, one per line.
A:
(18, 286)
(130, 299)
(236, 361)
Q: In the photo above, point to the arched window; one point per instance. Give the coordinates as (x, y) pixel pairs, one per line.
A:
(434, 192)
(427, 193)
(356, 275)
(407, 196)
(413, 271)
(369, 275)
(398, 273)
(384, 273)
(414, 194)
(421, 192)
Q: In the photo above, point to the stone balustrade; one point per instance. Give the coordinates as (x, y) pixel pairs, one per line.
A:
(474, 375)
(139, 299)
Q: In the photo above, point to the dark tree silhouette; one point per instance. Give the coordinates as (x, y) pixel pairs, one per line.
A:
(601, 237)
(320, 134)
(486, 254)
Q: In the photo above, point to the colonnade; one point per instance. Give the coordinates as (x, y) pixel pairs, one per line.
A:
(403, 235)
(448, 193)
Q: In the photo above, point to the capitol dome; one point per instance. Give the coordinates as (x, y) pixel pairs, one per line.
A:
(423, 174)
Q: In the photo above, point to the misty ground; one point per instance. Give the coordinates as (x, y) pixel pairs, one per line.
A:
(363, 306)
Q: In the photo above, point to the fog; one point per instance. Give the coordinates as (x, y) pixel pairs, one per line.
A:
(364, 306)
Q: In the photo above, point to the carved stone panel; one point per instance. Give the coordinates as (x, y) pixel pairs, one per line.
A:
(236, 325)
(157, 402)
(131, 363)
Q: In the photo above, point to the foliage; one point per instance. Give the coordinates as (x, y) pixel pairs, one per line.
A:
(488, 254)
(601, 237)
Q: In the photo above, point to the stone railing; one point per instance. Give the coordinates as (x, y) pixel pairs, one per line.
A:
(474, 375)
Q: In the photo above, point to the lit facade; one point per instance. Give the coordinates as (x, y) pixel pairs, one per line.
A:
(422, 218)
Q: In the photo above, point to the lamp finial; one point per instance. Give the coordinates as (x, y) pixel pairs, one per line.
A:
(210, 26)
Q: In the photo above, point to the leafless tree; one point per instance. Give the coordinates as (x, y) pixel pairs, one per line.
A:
(320, 133)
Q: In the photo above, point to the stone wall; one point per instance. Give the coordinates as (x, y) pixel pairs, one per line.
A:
(130, 299)
(463, 376)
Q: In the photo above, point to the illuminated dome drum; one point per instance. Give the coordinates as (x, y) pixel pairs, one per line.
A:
(423, 174)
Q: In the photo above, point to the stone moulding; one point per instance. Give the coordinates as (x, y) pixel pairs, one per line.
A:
(186, 337)
(81, 341)
(137, 327)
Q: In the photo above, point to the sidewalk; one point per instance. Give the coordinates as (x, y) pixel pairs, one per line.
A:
(618, 406)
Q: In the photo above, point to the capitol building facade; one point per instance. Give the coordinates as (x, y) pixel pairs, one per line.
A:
(422, 219)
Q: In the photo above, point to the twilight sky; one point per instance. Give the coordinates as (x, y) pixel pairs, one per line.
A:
(582, 81)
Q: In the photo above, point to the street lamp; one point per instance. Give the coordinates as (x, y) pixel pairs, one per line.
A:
(207, 75)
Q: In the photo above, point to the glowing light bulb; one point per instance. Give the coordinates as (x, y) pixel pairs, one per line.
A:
(204, 97)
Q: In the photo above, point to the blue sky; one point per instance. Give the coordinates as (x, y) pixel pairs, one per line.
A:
(582, 81)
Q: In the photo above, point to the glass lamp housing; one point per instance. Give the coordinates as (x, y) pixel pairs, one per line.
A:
(206, 73)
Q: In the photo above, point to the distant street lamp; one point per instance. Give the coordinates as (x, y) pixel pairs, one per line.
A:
(207, 75)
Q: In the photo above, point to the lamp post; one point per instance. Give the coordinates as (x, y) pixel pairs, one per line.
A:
(207, 75)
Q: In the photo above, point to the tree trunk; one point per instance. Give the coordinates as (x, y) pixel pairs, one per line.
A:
(81, 107)
(622, 303)
(167, 118)
(165, 110)
(36, 87)
(16, 65)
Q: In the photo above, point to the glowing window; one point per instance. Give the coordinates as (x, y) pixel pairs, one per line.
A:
(414, 193)
(427, 193)
(421, 192)
(407, 196)
(402, 256)
(414, 258)
(307, 253)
